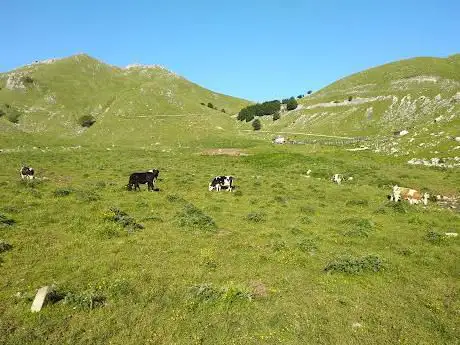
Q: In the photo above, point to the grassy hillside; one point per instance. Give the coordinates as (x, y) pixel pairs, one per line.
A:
(271, 263)
(421, 95)
(51, 97)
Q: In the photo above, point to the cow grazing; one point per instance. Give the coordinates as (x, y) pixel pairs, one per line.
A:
(148, 177)
(27, 173)
(220, 182)
(409, 194)
(337, 178)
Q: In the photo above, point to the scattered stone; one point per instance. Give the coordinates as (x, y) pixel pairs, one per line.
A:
(356, 325)
(451, 234)
(40, 298)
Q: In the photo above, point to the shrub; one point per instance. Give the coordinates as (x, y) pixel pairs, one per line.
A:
(256, 217)
(350, 98)
(256, 125)
(300, 96)
(276, 116)
(4, 246)
(223, 110)
(5, 221)
(60, 192)
(84, 300)
(13, 115)
(210, 105)
(193, 218)
(434, 237)
(307, 245)
(86, 121)
(351, 265)
(309, 92)
(229, 294)
(122, 218)
(202, 103)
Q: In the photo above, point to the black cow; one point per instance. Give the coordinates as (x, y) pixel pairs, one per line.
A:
(220, 182)
(27, 173)
(148, 177)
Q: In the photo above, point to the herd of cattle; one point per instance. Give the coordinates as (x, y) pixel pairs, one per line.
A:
(226, 182)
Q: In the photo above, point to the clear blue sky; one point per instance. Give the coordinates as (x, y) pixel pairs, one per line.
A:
(258, 50)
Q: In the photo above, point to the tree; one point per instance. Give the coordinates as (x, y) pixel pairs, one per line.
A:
(86, 121)
(291, 104)
(300, 96)
(276, 116)
(309, 92)
(210, 105)
(256, 124)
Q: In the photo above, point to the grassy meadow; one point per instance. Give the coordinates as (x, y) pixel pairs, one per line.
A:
(283, 259)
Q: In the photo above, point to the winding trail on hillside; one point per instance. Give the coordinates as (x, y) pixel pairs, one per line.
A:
(299, 133)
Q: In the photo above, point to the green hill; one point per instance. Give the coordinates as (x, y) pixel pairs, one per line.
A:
(421, 95)
(50, 98)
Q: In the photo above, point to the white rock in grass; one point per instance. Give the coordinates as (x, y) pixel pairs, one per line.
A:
(451, 234)
(40, 298)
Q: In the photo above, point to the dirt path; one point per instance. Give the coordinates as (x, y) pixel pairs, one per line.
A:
(299, 133)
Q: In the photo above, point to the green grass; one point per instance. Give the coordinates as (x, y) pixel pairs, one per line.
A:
(246, 267)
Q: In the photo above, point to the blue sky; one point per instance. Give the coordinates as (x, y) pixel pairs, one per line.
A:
(258, 50)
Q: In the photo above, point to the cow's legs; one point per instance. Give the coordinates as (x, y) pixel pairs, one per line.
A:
(150, 186)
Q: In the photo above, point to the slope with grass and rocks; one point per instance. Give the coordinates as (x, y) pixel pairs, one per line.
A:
(80, 96)
(420, 96)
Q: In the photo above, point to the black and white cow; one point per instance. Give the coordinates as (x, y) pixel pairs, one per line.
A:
(148, 177)
(220, 182)
(27, 173)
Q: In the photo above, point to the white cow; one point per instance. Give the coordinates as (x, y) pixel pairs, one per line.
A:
(337, 178)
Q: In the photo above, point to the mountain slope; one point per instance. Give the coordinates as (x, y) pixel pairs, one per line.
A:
(420, 95)
(52, 96)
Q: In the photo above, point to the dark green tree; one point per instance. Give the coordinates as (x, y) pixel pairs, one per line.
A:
(256, 124)
(291, 104)
(86, 121)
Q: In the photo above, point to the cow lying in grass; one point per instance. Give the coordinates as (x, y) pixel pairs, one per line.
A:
(411, 195)
(148, 177)
(27, 173)
(220, 182)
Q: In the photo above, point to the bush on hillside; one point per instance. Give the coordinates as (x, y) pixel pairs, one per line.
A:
(276, 116)
(309, 92)
(256, 125)
(86, 121)
(350, 98)
(291, 104)
(11, 113)
(300, 96)
(223, 110)
(210, 105)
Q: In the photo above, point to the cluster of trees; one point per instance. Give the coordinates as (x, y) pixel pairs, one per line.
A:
(259, 109)
(267, 108)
